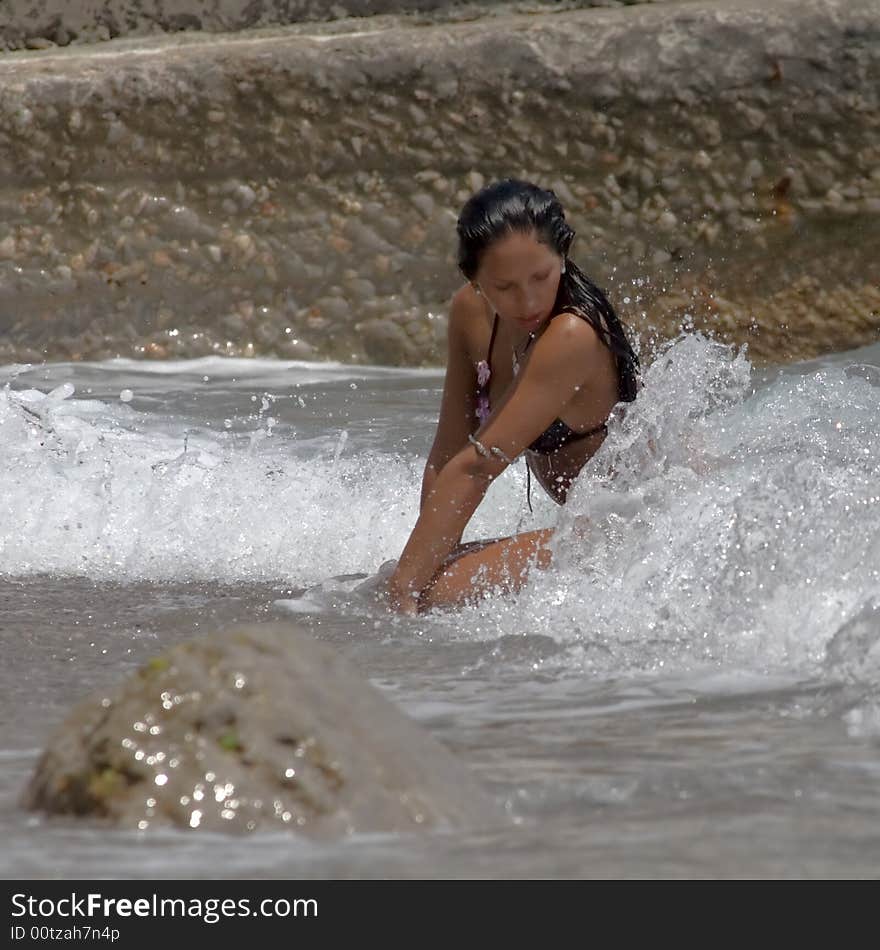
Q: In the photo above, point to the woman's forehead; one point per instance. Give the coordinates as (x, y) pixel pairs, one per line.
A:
(510, 255)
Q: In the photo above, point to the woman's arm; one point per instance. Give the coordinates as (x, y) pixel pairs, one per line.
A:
(567, 353)
(457, 406)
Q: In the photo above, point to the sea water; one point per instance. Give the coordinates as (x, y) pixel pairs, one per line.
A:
(692, 689)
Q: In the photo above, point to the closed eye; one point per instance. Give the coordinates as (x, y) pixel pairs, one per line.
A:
(536, 278)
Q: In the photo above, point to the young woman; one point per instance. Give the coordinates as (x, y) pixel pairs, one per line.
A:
(537, 360)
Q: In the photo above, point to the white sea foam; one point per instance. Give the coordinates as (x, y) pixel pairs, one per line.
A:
(97, 488)
(94, 489)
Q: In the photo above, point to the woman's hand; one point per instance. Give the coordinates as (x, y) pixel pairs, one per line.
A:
(401, 600)
(385, 586)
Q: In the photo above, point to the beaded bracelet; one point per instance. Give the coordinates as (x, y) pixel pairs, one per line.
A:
(488, 453)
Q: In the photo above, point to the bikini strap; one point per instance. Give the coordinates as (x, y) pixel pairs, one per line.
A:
(492, 342)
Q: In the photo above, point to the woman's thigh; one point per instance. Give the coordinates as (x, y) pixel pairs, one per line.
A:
(492, 565)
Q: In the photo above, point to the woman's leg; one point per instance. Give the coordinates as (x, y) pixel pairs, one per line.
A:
(481, 566)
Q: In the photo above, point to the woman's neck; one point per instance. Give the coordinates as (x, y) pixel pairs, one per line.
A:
(523, 342)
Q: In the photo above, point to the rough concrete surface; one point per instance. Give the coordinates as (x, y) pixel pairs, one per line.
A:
(38, 24)
(295, 191)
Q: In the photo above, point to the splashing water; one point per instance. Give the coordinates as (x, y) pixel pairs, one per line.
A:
(719, 523)
(96, 490)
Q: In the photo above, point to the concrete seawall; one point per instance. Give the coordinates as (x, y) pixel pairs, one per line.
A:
(28, 24)
(294, 191)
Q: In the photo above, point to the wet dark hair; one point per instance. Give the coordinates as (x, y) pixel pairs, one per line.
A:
(509, 206)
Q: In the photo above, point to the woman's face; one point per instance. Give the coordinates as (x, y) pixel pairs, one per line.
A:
(519, 276)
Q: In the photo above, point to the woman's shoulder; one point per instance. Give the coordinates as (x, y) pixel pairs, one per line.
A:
(569, 344)
(569, 328)
(469, 318)
(467, 303)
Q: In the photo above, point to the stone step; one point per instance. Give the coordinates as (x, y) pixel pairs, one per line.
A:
(310, 180)
(28, 25)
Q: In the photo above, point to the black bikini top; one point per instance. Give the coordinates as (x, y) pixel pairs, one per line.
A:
(555, 436)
